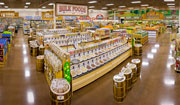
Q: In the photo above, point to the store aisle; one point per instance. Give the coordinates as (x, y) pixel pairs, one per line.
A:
(158, 85)
(20, 84)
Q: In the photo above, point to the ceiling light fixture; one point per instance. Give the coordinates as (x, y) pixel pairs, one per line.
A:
(104, 7)
(122, 6)
(28, 3)
(91, 6)
(109, 4)
(25, 6)
(1, 3)
(51, 4)
(169, 0)
(144, 5)
(44, 7)
(5, 6)
(170, 4)
(149, 7)
(92, 2)
(135, 2)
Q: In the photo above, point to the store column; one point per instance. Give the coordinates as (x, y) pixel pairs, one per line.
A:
(54, 15)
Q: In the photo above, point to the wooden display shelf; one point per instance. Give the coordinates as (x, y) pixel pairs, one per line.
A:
(99, 72)
(140, 40)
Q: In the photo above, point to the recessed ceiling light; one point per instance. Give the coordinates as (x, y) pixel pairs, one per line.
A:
(170, 4)
(51, 4)
(5, 6)
(1, 3)
(25, 6)
(28, 3)
(135, 2)
(91, 6)
(104, 7)
(122, 6)
(145, 5)
(44, 7)
(91, 2)
(109, 4)
(169, 0)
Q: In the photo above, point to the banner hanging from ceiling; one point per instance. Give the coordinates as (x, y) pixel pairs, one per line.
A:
(71, 10)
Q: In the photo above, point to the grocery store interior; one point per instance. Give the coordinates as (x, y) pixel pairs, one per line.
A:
(89, 52)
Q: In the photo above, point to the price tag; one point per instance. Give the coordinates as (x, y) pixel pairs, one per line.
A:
(60, 97)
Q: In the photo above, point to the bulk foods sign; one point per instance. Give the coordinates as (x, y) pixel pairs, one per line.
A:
(67, 9)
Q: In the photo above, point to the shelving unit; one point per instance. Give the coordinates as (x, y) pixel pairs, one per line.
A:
(3, 51)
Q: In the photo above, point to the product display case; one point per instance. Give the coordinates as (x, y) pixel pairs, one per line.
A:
(3, 51)
(141, 37)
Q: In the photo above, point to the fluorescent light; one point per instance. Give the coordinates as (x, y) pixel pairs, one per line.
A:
(145, 5)
(122, 6)
(170, 4)
(51, 4)
(5, 6)
(1, 3)
(157, 45)
(28, 3)
(149, 7)
(91, 2)
(91, 6)
(109, 4)
(104, 7)
(135, 2)
(169, 0)
(25, 6)
(44, 7)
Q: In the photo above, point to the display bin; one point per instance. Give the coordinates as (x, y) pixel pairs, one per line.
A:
(34, 51)
(41, 50)
(128, 74)
(61, 99)
(119, 87)
(134, 71)
(138, 49)
(138, 65)
(3, 51)
(40, 63)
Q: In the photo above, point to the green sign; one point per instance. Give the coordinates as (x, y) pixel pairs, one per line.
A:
(67, 73)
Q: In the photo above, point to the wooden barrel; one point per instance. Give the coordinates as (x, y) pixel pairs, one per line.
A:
(134, 71)
(138, 49)
(34, 51)
(128, 74)
(60, 99)
(41, 50)
(137, 62)
(119, 87)
(40, 63)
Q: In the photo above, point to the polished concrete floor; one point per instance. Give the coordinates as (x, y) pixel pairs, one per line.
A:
(159, 84)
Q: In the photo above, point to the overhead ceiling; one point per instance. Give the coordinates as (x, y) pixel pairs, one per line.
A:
(160, 4)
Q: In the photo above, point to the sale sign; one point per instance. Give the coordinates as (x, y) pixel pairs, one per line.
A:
(68, 9)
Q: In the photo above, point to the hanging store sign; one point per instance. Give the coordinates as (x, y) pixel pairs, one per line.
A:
(71, 10)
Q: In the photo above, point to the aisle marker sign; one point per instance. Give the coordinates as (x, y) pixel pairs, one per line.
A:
(71, 10)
